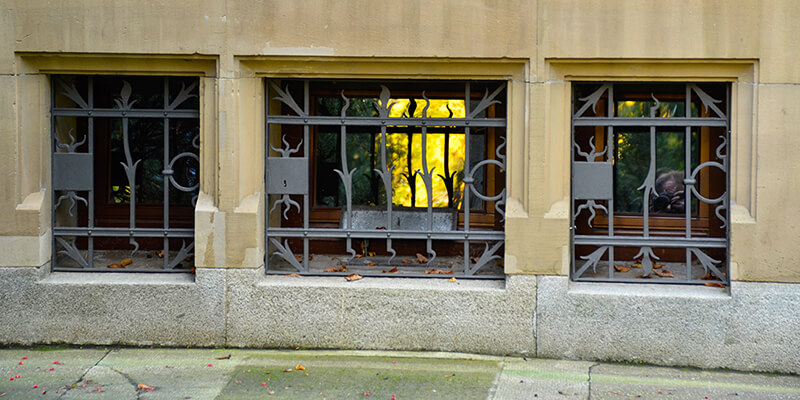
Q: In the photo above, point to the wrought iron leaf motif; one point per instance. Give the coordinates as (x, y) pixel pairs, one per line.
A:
(591, 155)
(72, 252)
(183, 95)
(286, 253)
(71, 146)
(286, 98)
(70, 195)
(647, 255)
(487, 255)
(591, 100)
(71, 92)
(591, 206)
(285, 199)
(123, 101)
(286, 151)
(384, 106)
(593, 258)
(184, 252)
(708, 263)
(708, 101)
(486, 101)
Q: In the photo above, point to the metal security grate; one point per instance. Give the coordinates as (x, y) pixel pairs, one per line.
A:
(650, 198)
(385, 178)
(125, 172)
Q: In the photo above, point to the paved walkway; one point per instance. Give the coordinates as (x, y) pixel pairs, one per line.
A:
(130, 373)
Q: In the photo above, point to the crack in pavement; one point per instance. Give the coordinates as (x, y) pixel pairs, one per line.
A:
(589, 380)
(75, 384)
(130, 380)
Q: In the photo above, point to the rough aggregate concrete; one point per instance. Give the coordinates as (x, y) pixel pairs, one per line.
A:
(757, 328)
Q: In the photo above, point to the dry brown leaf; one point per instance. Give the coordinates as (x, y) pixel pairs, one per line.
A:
(391, 271)
(645, 276)
(299, 258)
(621, 268)
(421, 259)
(287, 370)
(353, 277)
(636, 265)
(707, 277)
(336, 269)
(359, 255)
(474, 259)
(126, 262)
(407, 261)
(228, 357)
(192, 269)
(144, 387)
(371, 264)
(453, 279)
(714, 284)
(115, 266)
(437, 271)
(371, 254)
(293, 275)
(160, 254)
(310, 257)
(300, 367)
(657, 266)
(663, 273)
(380, 228)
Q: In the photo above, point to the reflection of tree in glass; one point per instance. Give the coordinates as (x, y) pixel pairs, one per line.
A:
(363, 150)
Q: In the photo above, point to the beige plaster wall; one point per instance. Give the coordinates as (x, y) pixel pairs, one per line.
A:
(173, 37)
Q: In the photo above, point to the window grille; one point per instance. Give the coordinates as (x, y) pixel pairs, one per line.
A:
(125, 172)
(385, 178)
(650, 177)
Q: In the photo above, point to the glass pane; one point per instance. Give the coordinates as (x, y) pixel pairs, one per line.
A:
(146, 143)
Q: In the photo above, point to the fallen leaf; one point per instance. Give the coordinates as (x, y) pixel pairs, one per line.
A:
(449, 375)
(421, 259)
(126, 262)
(371, 264)
(160, 254)
(146, 388)
(115, 266)
(714, 284)
(380, 228)
(336, 269)
(407, 261)
(645, 276)
(391, 271)
(437, 271)
(371, 254)
(474, 259)
(636, 265)
(310, 257)
(663, 273)
(228, 357)
(621, 269)
(453, 279)
(193, 269)
(299, 258)
(300, 367)
(708, 276)
(353, 277)
(294, 275)
(358, 256)
(287, 370)
(657, 266)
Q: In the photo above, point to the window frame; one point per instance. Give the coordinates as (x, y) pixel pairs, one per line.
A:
(665, 229)
(332, 215)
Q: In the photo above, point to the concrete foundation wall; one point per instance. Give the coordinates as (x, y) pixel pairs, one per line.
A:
(755, 329)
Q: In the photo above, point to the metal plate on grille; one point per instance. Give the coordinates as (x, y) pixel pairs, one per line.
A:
(592, 180)
(73, 171)
(287, 175)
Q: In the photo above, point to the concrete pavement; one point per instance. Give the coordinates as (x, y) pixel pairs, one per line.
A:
(62, 372)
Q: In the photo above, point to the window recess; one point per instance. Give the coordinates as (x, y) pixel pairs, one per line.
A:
(386, 178)
(650, 199)
(125, 172)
